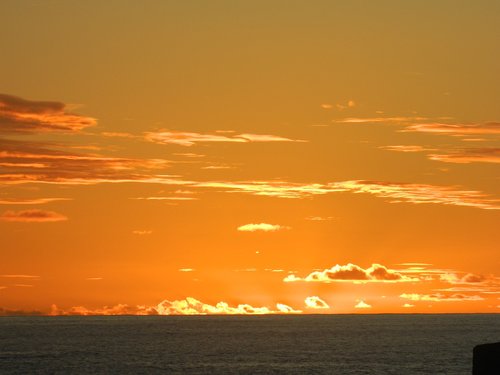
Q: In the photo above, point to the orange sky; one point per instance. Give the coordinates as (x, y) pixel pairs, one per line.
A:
(249, 157)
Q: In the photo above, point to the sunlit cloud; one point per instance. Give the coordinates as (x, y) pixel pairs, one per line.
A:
(94, 278)
(21, 276)
(405, 148)
(422, 193)
(166, 198)
(285, 309)
(186, 269)
(408, 305)
(32, 216)
(362, 305)
(188, 306)
(360, 120)
(470, 155)
(320, 218)
(262, 227)
(142, 232)
(439, 297)
(191, 138)
(353, 273)
(455, 129)
(61, 167)
(19, 115)
(396, 192)
(468, 278)
(314, 302)
(30, 201)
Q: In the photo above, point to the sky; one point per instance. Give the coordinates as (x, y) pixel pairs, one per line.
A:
(249, 157)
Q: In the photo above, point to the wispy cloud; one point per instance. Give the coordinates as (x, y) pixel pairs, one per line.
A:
(192, 138)
(405, 148)
(439, 297)
(396, 192)
(20, 276)
(314, 302)
(61, 167)
(455, 129)
(173, 198)
(19, 115)
(30, 201)
(353, 273)
(262, 227)
(400, 119)
(142, 232)
(32, 216)
(469, 155)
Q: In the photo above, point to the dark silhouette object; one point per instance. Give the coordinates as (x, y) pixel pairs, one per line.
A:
(486, 359)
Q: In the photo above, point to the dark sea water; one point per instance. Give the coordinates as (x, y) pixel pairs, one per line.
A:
(314, 344)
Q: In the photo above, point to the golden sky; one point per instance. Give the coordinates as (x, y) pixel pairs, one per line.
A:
(248, 157)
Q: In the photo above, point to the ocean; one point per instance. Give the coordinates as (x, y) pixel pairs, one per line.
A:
(308, 344)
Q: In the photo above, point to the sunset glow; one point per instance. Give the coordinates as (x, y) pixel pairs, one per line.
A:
(249, 158)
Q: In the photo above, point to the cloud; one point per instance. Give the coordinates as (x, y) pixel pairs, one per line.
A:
(94, 278)
(408, 305)
(470, 155)
(142, 232)
(85, 169)
(397, 192)
(21, 276)
(191, 138)
(12, 312)
(188, 306)
(320, 218)
(166, 198)
(62, 167)
(439, 297)
(422, 193)
(262, 227)
(357, 120)
(32, 216)
(362, 305)
(29, 201)
(186, 269)
(405, 148)
(314, 302)
(455, 129)
(468, 278)
(353, 273)
(23, 116)
(285, 309)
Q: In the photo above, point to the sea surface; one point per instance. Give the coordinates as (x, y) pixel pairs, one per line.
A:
(308, 344)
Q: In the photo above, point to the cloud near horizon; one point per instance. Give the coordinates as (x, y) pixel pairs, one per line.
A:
(362, 305)
(353, 273)
(32, 216)
(439, 297)
(21, 116)
(188, 306)
(314, 302)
